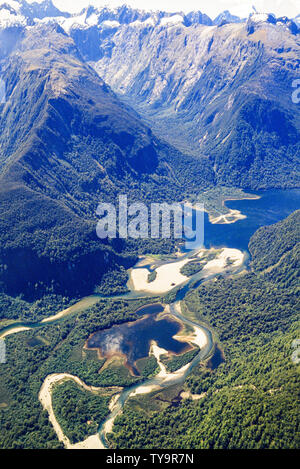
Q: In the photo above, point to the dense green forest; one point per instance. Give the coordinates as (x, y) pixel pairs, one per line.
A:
(175, 362)
(113, 282)
(214, 199)
(57, 348)
(152, 276)
(147, 366)
(191, 268)
(79, 411)
(251, 399)
(263, 148)
(12, 309)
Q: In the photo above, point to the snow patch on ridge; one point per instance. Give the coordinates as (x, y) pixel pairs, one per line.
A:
(8, 19)
(147, 22)
(70, 23)
(92, 20)
(259, 17)
(175, 19)
(110, 24)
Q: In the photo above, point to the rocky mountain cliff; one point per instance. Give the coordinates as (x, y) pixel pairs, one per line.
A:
(218, 90)
(156, 105)
(67, 144)
(223, 92)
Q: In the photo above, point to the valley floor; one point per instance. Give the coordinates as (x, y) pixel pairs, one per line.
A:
(168, 276)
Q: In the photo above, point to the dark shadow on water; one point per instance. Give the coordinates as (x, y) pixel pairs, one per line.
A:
(150, 309)
(133, 339)
(216, 359)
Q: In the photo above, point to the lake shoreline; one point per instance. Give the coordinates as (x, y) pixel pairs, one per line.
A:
(224, 218)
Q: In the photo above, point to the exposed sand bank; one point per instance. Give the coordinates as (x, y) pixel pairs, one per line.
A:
(113, 402)
(169, 276)
(92, 442)
(14, 331)
(198, 337)
(45, 397)
(157, 352)
(189, 395)
(231, 217)
(108, 425)
(218, 265)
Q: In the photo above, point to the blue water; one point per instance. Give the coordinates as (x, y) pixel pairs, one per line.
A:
(273, 206)
(133, 339)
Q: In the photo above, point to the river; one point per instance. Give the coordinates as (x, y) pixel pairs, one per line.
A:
(270, 208)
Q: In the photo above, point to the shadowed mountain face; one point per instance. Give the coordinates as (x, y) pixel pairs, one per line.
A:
(218, 99)
(228, 89)
(218, 89)
(67, 143)
(52, 95)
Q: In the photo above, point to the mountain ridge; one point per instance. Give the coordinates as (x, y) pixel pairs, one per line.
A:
(124, 14)
(161, 113)
(67, 144)
(202, 82)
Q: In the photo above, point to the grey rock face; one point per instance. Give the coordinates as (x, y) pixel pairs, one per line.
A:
(202, 86)
(226, 17)
(194, 84)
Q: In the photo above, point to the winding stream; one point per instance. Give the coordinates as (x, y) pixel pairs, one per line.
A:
(270, 208)
(162, 381)
(158, 382)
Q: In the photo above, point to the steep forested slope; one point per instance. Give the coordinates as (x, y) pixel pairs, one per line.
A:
(220, 94)
(251, 399)
(224, 92)
(67, 144)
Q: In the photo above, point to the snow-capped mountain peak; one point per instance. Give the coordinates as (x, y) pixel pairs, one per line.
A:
(172, 20)
(10, 15)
